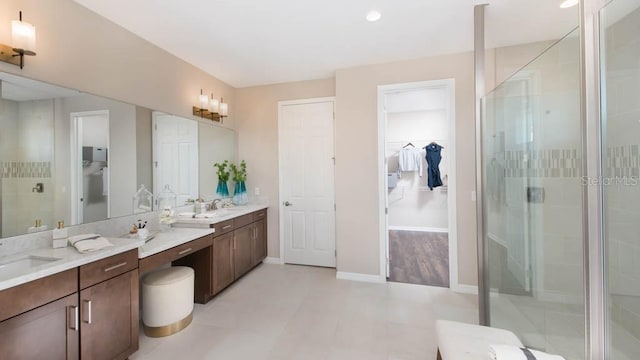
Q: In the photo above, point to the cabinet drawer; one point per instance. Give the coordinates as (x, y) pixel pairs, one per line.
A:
(223, 227)
(260, 214)
(242, 220)
(104, 269)
(175, 253)
(21, 298)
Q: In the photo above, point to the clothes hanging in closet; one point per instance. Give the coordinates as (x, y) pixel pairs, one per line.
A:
(410, 159)
(433, 162)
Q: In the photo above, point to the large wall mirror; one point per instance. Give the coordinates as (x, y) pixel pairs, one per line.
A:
(67, 156)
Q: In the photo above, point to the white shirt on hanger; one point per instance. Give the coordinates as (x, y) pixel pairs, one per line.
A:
(410, 159)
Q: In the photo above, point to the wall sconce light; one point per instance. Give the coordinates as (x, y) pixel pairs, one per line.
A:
(211, 108)
(23, 42)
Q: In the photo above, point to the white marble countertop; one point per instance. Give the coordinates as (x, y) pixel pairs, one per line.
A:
(68, 258)
(218, 215)
(171, 238)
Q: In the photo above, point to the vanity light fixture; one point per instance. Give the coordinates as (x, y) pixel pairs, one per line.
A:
(215, 104)
(211, 108)
(23, 42)
(201, 109)
(224, 108)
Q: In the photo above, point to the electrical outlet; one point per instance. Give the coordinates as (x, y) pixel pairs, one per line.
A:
(256, 191)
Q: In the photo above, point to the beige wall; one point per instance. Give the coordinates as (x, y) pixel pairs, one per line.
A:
(257, 126)
(357, 166)
(82, 50)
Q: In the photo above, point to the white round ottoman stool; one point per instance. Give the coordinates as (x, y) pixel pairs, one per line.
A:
(167, 301)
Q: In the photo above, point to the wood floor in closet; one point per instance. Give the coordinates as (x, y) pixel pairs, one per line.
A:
(418, 257)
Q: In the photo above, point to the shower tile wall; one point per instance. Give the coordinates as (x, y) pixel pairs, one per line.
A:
(26, 148)
(621, 182)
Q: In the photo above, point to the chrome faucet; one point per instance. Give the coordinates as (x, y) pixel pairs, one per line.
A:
(216, 204)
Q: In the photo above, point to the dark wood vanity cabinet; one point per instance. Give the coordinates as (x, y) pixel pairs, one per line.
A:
(90, 312)
(47, 332)
(40, 319)
(238, 246)
(242, 250)
(109, 307)
(259, 245)
(222, 270)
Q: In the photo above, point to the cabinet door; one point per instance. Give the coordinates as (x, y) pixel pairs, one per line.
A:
(259, 241)
(109, 318)
(223, 274)
(46, 332)
(242, 257)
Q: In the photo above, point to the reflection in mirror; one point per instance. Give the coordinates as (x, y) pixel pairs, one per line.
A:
(175, 156)
(217, 144)
(66, 156)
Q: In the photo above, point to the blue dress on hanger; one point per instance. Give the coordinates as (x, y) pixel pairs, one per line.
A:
(433, 161)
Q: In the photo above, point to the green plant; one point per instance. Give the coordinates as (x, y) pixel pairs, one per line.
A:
(239, 173)
(223, 173)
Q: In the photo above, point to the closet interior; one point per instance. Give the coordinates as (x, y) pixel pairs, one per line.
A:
(416, 151)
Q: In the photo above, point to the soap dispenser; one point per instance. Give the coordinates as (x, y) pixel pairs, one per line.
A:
(60, 236)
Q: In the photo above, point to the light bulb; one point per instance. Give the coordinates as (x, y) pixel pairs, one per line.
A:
(373, 16)
(569, 3)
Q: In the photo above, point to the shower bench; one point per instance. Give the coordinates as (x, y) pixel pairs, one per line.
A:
(460, 341)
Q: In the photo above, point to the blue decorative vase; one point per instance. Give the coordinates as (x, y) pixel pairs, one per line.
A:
(240, 193)
(222, 190)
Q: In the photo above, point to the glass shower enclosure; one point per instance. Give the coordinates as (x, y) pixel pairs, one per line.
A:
(533, 204)
(534, 185)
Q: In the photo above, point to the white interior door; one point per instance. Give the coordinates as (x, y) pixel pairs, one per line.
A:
(307, 197)
(175, 156)
(90, 183)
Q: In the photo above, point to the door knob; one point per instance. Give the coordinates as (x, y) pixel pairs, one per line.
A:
(286, 203)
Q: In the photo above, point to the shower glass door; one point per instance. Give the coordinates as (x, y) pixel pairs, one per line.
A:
(620, 59)
(533, 202)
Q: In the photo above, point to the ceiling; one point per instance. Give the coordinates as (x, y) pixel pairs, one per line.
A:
(254, 42)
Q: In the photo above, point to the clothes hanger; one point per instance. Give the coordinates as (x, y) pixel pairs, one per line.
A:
(409, 144)
(434, 143)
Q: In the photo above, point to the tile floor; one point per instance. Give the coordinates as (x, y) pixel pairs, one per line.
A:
(299, 312)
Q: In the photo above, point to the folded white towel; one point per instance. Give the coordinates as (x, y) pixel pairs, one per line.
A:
(87, 243)
(506, 352)
(186, 214)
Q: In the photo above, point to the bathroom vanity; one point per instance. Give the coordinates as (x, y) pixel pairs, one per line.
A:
(83, 306)
(59, 304)
(220, 249)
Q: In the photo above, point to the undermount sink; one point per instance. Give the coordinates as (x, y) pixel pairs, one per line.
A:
(227, 210)
(19, 265)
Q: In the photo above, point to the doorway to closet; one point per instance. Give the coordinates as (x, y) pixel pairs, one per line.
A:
(418, 164)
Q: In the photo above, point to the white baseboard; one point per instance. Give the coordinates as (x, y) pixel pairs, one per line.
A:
(272, 260)
(420, 228)
(360, 277)
(465, 289)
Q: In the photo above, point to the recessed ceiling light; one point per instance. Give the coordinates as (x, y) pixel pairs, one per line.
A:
(373, 15)
(569, 3)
